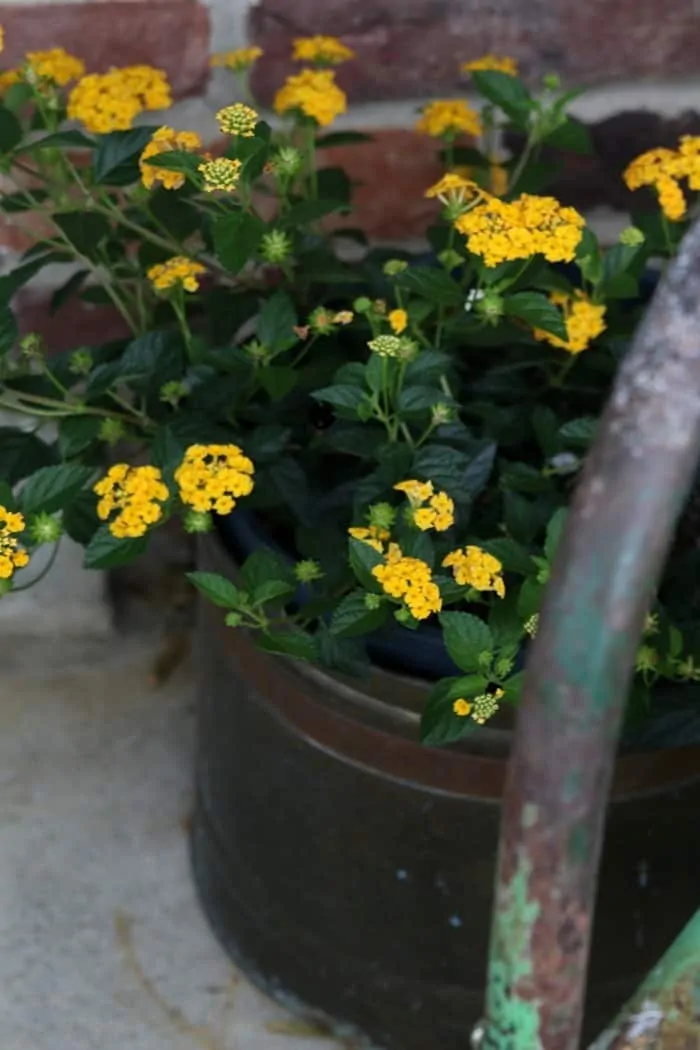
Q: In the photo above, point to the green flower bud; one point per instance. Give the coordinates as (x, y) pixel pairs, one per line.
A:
(408, 349)
(173, 392)
(257, 350)
(275, 246)
(543, 574)
(111, 431)
(233, 619)
(32, 345)
(647, 658)
(393, 267)
(531, 624)
(308, 570)
(373, 601)
(81, 362)
(287, 161)
(441, 414)
(382, 515)
(362, 305)
(491, 306)
(44, 528)
(321, 320)
(197, 521)
(485, 659)
(385, 345)
(404, 617)
(632, 236)
(552, 81)
(450, 259)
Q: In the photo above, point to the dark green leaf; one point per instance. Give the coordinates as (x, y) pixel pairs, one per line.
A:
(512, 556)
(546, 427)
(25, 201)
(167, 450)
(344, 396)
(523, 517)
(278, 380)
(439, 723)
(342, 138)
(579, 432)
(428, 365)
(102, 378)
(236, 239)
(554, 531)
(272, 590)
(67, 290)
(289, 481)
(352, 617)
(176, 160)
(537, 310)
(59, 140)
(174, 212)
(572, 136)
(8, 329)
(262, 567)
(530, 598)
(346, 655)
(363, 559)
(76, 433)
(506, 625)
(10, 130)
(506, 92)
(17, 96)
(267, 442)
(84, 229)
(417, 400)
(293, 642)
(105, 551)
(21, 454)
(145, 354)
(217, 589)
(52, 488)
(80, 519)
(334, 184)
(467, 639)
(115, 162)
(276, 322)
(463, 476)
(378, 371)
(310, 211)
(433, 284)
(521, 477)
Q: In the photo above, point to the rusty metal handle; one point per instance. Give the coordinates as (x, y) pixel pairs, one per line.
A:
(614, 545)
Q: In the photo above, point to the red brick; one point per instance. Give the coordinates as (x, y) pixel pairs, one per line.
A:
(170, 34)
(75, 324)
(413, 48)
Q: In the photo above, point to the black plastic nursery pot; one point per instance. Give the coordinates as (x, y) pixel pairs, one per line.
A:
(348, 869)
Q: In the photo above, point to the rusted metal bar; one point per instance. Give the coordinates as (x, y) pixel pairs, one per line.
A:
(614, 545)
(664, 1013)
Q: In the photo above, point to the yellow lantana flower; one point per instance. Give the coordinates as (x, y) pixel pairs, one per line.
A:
(314, 93)
(584, 321)
(497, 63)
(178, 271)
(105, 102)
(221, 174)
(410, 580)
(474, 567)
(398, 320)
(12, 554)
(325, 50)
(165, 140)
(446, 118)
(501, 231)
(214, 477)
(56, 65)
(238, 60)
(136, 494)
(238, 119)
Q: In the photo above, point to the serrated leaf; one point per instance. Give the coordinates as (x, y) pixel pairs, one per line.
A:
(76, 433)
(21, 454)
(554, 531)
(84, 229)
(278, 380)
(439, 723)
(512, 556)
(523, 517)
(217, 589)
(341, 396)
(276, 322)
(352, 617)
(311, 211)
(466, 638)
(80, 519)
(236, 239)
(462, 476)
(294, 642)
(530, 598)
(538, 311)
(506, 92)
(433, 284)
(417, 400)
(115, 161)
(271, 590)
(572, 136)
(105, 551)
(262, 567)
(52, 488)
(579, 432)
(363, 559)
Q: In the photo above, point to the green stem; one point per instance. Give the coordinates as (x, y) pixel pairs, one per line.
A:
(520, 166)
(44, 572)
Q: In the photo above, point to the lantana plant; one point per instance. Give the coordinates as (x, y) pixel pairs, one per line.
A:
(408, 428)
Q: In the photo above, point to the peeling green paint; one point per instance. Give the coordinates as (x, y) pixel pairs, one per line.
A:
(512, 1021)
(531, 814)
(572, 785)
(578, 844)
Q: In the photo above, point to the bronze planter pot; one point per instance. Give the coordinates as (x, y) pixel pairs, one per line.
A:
(348, 870)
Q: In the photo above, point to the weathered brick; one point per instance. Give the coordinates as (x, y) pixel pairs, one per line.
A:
(170, 34)
(413, 48)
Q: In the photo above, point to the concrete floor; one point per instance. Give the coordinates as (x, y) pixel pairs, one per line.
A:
(102, 942)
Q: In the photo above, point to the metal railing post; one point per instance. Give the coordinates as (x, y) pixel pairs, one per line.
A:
(616, 538)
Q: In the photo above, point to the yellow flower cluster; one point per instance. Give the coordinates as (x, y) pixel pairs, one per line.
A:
(430, 509)
(411, 580)
(372, 535)
(105, 102)
(398, 320)
(165, 140)
(315, 93)
(239, 60)
(385, 345)
(213, 477)
(2, 38)
(584, 321)
(445, 118)
(453, 188)
(8, 78)
(474, 567)
(12, 555)
(325, 50)
(481, 708)
(136, 493)
(176, 271)
(238, 119)
(662, 169)
(500, 231)
(496, 63)
(56, 65)
(220, 174)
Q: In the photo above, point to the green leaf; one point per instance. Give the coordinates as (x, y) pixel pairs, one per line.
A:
(263, 567)
(271, 590)
(546, 427)
(217, 589)
(236, 239)
(506, 92)
(59, 140)
(174, 212)
(463, 476)
(80, 519)
(266, 442)
(178, 160)
(341, 396)
(428, 365)
(167, 451)
(51, 488)
(76, 433)
(352, 617)
(293, 642)
(342, 138)
(278, 380)
(506, 625)
(433, 284)
(439, 723)
(276, 322)
(8, 329)
(467, 639)
(512, 688)
(145, 355)
(512, 556)
(10, 130)
(17, 96)
(115, 162)
(530, 598)
(310, 211)
(84, 229)
(14, 280)
(67, 290)
(572, 136)
(417, 400)
(21, 454)
(292, 487)
(363, 559)
(537, 310)
(554, 531)
(523, 517)
(105, 551)
(579, 432)
(334, 184)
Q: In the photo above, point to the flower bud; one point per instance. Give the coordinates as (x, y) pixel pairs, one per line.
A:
(44, 528)
(81, 362)
(308, 570)
(111, 431)
(197, 521)
(393, 267)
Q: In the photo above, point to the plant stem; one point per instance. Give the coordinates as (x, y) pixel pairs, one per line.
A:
(44, 572)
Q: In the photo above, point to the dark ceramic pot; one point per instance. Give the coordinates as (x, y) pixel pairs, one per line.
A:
(348, 870)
